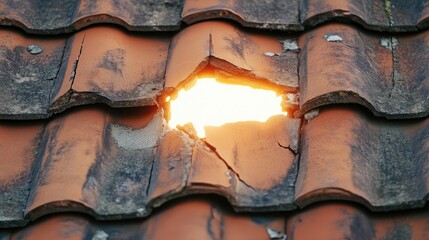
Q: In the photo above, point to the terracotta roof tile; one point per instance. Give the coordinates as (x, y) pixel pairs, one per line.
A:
(376, 71)
(114, 167)
(186, 219)
(53, 17)
(266, 14)
(346, 221)
(121, 70)
(233, 50)
(207, 219)
(124, 163)
(26, 77)
(370, 69)
(348, 154)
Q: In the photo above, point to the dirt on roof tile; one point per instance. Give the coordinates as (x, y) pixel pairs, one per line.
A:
(346, 153)
(211, 219)
(54, 17)
(232, 50)
(266, 14)
(200, 218)
(338, 64)
(347, 221)
(121, 70)
(28, 70)
(115, 164)
(381, 72)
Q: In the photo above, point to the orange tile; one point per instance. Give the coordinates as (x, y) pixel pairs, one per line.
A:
(122, 70)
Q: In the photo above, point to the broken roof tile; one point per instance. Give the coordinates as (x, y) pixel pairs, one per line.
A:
(125, 162)
(346, 153)
(369, 69)
(53, 17)
(338, 64)
(232, 50)
(262, 156)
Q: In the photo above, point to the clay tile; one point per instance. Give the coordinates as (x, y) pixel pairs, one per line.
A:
(260, 14)
(19, 144)
(53, 17)
(349, 154)
(100, 70)
(232, 50)
(340, 64)
(28, 66)
(261, 157)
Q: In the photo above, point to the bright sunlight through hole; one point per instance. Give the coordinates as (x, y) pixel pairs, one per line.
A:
(211, 103)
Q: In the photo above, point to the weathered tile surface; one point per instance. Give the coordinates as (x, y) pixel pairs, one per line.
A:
(347, 153)
(347, 221)
(28, 69)
(341, 64)
(210, 219)
(122, 163)
(186, 219)
(120, 70)
(52, 17)
(19, 143)
(266, 14)
(233, 50)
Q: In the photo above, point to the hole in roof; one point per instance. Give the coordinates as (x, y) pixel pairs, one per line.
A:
(213, 102)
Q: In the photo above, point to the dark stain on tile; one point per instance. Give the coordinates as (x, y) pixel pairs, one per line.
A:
(113, 60)
(400, 232)
(392, 174)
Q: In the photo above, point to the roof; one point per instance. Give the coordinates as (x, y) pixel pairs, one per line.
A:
(86, 151)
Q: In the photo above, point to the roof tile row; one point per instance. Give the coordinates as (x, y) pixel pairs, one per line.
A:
(52, 17)
(121, 165)
(208, 219)
(380, 72)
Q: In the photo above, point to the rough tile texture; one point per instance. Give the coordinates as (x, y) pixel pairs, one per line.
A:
(186, 219)
(234, 51)
(122, 163)
(204, 218)
(29, 67)
(122, 70)
(348, 154)
(340, 64)
(266, 14)
(346, 221)
(52, 17)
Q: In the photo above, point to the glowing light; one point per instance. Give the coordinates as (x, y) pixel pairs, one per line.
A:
(211, 103)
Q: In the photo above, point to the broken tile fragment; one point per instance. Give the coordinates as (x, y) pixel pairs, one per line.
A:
(232, 50)
(262, 158)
